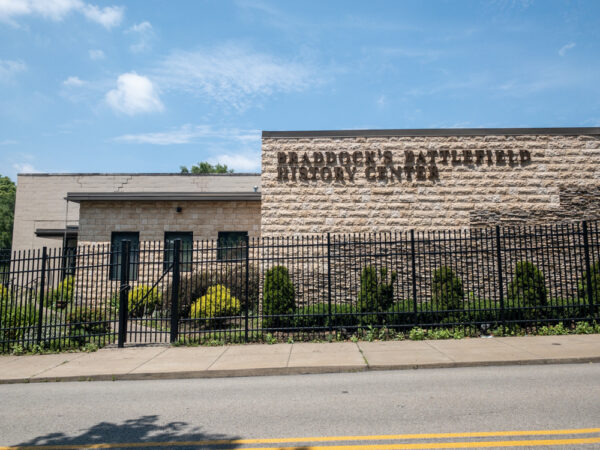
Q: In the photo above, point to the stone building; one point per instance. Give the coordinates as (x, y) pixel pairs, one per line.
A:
(69, 209)
(359, 181)
(315, 182)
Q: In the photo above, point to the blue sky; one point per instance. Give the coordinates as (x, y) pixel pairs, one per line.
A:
(148, 85)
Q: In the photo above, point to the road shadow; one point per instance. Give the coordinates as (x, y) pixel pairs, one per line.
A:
(140, 430)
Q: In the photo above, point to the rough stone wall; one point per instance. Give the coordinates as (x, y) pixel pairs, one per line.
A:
(576, 203)
(424, 183)
(97, 220)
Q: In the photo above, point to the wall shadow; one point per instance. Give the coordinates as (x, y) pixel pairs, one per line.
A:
(140, 430)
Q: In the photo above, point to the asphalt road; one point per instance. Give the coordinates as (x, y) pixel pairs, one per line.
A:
(489, 399)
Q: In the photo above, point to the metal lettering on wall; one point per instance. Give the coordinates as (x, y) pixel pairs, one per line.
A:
(345, 166)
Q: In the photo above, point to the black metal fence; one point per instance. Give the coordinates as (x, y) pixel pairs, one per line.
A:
(300, 286)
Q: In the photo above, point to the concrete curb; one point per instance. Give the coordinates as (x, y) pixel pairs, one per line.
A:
(296, 370)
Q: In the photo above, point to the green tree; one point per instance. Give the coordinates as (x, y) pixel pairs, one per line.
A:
(205, 167)
(7, 209)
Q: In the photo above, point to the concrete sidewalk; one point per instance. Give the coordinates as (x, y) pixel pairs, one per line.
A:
(164, 362)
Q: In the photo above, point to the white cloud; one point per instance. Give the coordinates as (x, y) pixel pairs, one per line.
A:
(141, 27)
(9, 142)
(56, 10)
(183, 135)
(144, 33)
(134, 94)
(73, 82)
(189, 133)
(232, 74)
(563, 50)
(50, 9)
(25, 168)
(239, 162)
(96, 54)
(108, 17)
(9, 68)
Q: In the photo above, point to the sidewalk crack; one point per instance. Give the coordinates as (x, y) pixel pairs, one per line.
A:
(362, 354)
(218, 357)
(148, 360)
(439, 351)
(287, 363)
(53, 367)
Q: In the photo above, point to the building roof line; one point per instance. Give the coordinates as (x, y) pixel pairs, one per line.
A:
(162, 196)
(159, 174)
(433, 132)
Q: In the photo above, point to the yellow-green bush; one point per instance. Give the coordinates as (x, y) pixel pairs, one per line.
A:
(143, 300)
(4, 294)
(216, 303)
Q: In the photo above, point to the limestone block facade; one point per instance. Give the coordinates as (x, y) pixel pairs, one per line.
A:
(97, 220)
(394, 180)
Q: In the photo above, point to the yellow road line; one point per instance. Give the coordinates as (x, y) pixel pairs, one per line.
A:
(483, 444)
(476, 434)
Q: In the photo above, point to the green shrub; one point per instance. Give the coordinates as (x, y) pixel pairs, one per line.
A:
(584, 328)
(143, 300)
(447, 289)
(15, 320)
(441, 333)
(481, 313)
(115, 300)
(63, 294)
(576, 308)
(234, 278)
(4, 294)
(528, 286)
(312, 316)
(317, 315)
(86, 324)
(270, 339)
(401, 313)
(487, 312)
(216, 304)
(552, 330)
(376, 294)
(278, 297)
(344, 316)
(194, 285)
(582, 287)
(417, 334)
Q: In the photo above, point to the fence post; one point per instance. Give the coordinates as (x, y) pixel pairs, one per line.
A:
(42, 294)
(329, 282)
(247, 308)
(500, 281)
(123, 293)
(175, 291)
(588, 271)
(414, 276)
